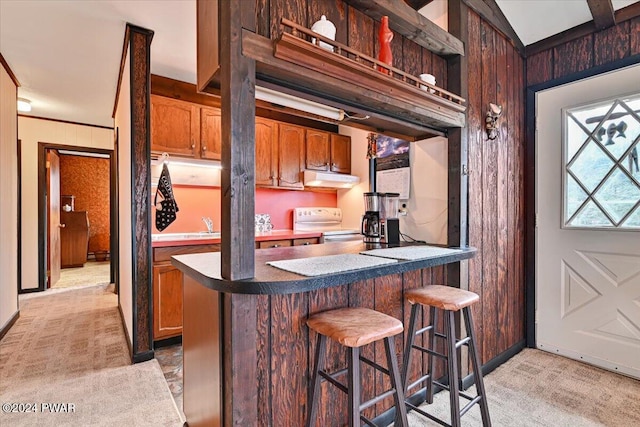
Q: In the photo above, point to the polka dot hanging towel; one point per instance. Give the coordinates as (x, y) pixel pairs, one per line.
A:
(167, 207)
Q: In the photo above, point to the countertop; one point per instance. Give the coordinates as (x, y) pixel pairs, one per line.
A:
(203, 239)
(205, 268)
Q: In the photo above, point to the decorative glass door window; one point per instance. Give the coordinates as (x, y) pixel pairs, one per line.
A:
(601, 165)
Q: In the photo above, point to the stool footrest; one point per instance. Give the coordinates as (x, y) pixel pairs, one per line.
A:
(377, 399)
(425, 329)
(469, 405)
(374, 365)
(429, 351)
(463, 341)
(418, 381)
(331, 378)
(424, 414)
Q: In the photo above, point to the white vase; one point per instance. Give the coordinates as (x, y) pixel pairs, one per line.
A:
(325, 28)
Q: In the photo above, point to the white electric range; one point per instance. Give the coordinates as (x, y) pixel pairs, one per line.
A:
(328, 221)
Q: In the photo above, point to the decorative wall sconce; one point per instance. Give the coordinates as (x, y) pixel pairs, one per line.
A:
(491, 121)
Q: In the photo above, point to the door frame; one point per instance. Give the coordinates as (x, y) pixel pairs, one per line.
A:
(42, 208)
(530, 183)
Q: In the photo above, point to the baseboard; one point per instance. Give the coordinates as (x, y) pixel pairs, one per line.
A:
(9, 324)
(167, 342)
(420, 396)
(492, 364)
(143, 357)
(126, 332)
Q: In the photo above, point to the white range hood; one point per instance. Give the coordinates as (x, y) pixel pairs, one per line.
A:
(329, 179)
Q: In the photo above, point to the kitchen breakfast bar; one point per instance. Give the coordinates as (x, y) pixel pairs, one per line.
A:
(248, 353)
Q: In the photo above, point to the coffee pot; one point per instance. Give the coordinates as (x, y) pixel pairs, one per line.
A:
(370, 228)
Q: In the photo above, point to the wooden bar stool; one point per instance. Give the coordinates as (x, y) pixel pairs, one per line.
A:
(450, 300)
(354, 327)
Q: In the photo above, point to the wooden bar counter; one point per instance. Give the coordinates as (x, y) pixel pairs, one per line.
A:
(248, 352)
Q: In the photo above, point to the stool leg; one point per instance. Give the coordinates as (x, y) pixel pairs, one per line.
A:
(477, 369)
(452, 361)
(433, 318)
(394, 374)
(354, 386)
(411, 336)
(321, 350)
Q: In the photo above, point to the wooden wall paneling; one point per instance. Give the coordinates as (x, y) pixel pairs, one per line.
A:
(412, 57)
(289, 359)
(427, 62)
(511, 195)
(489, 186)
(611, 44)
(332, 410)
(412, 280)
(361, 32)
(263, 18)
(396, 48)
(294, 10)
(634, 36)
(263, 367)
(388, 297)
(520, 212)
(540, 67)
(439, 67)
(475, 127)
(502, 196)
(336, 11)
(362, 294)
(574, 56)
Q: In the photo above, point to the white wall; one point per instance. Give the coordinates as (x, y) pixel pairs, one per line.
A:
(32, 131)
(123, 125)
(350, 201)
(427, 205)
(9, 198)
(436, 12)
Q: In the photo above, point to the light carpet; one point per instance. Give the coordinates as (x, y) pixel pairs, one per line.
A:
(69, 347)
(536, 388)
(93, 273)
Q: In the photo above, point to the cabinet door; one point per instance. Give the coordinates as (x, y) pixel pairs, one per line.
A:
(167, 301)
(174, 126)
(318, 150)
(273, 244)
(210, 133)
(291, 156)
(340, 153)
(305, 242)
(266, 152)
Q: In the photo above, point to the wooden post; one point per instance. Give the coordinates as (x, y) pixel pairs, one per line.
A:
(237, 88)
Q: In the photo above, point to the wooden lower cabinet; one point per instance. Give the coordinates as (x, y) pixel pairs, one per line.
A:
(167, 301)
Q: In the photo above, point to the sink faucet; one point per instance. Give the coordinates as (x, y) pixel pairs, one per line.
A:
(209, 223)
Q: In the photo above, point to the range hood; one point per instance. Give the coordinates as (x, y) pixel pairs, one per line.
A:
(329, 179)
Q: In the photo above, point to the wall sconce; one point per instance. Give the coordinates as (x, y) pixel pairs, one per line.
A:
(24, 105)
(491, 121)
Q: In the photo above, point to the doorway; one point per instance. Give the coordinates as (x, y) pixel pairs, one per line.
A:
(76, 213)
(588, 221)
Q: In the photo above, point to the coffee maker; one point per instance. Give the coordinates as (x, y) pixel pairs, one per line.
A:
(389, 222)
(370, 228)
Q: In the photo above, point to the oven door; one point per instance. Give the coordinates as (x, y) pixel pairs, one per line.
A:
(342, 237)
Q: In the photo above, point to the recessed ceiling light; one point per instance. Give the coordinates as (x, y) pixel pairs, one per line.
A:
(24, 105)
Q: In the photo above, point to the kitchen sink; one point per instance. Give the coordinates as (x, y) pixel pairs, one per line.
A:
(168, 237)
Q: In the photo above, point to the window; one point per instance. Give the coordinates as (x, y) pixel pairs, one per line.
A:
(601, 145)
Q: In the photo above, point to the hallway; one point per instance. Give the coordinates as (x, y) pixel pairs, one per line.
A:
(69, 347)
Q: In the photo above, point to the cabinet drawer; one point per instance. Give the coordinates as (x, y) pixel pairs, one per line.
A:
(274, 244)
(165, 254)
(304, 242)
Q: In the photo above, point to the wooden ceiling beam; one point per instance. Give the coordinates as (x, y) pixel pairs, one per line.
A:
(603, 13)
(417, 4)
(408, 22)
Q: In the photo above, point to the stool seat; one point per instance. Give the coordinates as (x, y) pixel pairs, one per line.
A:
(443, 297)
(355, 326)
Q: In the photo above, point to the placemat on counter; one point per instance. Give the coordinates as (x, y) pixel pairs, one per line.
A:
(317, 266)
(410, 253)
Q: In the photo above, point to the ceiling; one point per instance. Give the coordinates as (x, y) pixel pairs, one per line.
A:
(66, 54)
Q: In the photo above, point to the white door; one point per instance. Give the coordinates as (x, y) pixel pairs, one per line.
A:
(587, 269)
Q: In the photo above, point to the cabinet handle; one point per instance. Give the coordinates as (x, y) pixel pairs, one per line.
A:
(204, 148)
(193, 145)
(306, 243)
(62, 225)
(275, 246)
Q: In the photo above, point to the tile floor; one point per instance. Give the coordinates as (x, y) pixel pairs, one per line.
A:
(170, 360)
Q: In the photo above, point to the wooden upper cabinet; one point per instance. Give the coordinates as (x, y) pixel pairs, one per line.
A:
(266, 152)
(174, 127)
(340, 153)
(291, 156)
(318, 150)
(210, 133)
